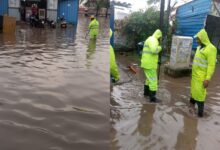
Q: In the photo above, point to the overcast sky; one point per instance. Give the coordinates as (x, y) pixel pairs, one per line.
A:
(142, 4)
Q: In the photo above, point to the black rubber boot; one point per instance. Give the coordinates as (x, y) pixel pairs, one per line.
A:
(146, 90)
(192, 101)
(200, 108)
(153, 96)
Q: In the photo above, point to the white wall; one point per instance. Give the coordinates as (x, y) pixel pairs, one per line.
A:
(52, 15)
(52, 9)
(14, 12)
(13, 9)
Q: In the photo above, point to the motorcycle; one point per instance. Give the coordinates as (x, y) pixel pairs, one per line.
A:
(63, 23)
(35, 22)
(51, 23)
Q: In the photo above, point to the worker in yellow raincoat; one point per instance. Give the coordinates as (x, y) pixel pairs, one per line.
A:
(149, 63)
(202, 70)
(113, 66)
(93, 28)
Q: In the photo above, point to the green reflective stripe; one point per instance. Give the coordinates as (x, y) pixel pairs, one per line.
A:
(152, 79)
(148, 52)
(94, 28)
(200, 65)
(201, 59)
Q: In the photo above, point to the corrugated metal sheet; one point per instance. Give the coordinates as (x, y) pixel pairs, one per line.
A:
(14, 12)
(212, 27)
(75, 11)
(68, 9)
(3, 7)
(191, 17)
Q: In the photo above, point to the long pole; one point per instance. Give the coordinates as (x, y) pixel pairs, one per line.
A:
(168, 23)
(161, 28)
(161, 14)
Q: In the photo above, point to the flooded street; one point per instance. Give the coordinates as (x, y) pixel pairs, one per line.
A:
(54, 89)
(137, 124)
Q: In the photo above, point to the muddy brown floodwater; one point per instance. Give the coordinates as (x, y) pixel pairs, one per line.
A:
(137, 124)
(54, 89)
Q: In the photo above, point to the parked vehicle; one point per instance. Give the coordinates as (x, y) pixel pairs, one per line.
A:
(50, 23)
(35, 22)
(63, 23)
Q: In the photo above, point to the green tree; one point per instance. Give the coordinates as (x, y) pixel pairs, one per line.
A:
(141, 25)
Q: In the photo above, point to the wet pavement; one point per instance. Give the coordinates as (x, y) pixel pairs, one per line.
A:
(137, 124)
(54, 89)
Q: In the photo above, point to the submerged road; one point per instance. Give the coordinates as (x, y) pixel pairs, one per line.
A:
(137, 124)
(54, 88)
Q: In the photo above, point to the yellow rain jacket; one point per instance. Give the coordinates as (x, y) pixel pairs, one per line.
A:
(113, 66)
(203, 66)
(151, 50)
(93, 29)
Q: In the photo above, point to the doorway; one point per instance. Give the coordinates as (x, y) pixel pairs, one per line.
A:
(26, 9)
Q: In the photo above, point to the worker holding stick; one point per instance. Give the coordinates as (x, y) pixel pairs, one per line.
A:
(149, 63)
(93, 28)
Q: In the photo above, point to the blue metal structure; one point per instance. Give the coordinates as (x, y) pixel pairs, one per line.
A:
(191, 17)
(68, 9)
(3, 7)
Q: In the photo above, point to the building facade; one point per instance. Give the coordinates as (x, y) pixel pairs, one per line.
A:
(52, 9)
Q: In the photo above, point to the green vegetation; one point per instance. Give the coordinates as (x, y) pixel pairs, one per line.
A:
(141, 24)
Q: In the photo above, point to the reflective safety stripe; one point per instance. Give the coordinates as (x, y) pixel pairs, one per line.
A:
(201, 59)
(200, 65)
(94, 28)
(152, 79)
(148, 52)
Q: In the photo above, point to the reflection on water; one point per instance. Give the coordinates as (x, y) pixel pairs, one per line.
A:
(90, 51)
(137, 124)
(49, 98)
